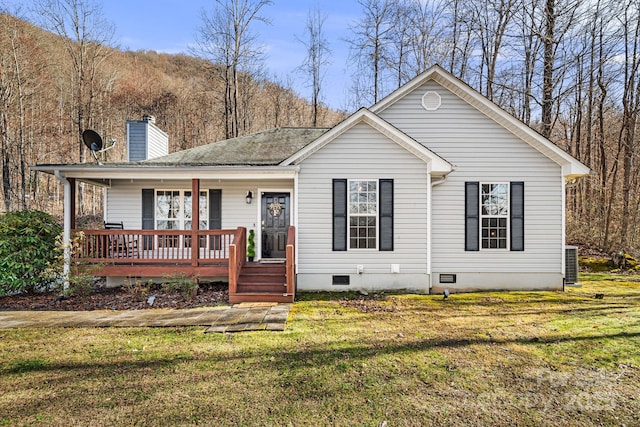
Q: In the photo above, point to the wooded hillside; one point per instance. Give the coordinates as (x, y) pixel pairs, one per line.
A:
(42, 114)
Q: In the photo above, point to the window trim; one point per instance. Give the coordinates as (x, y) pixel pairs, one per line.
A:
(507, 217)
(376, 216)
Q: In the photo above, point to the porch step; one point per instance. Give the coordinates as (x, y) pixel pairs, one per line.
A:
(257, 268)
(263, 287)
(261, 283)
(259, 297)
(246, 278)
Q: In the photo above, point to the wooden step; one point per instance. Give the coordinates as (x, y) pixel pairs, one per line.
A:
(262, 278)
(253, 267)
(262, 287)
(259, 297)
(261, 283)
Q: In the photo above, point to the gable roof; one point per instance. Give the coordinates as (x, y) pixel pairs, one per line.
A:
(270, 147)
(571, 167)
(438, 165)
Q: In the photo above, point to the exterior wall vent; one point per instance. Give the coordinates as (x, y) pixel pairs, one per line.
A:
(340, 280)
(570, 265)
(431, 101)
(447, 278)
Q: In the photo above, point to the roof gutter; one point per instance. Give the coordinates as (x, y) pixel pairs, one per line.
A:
(169, 172)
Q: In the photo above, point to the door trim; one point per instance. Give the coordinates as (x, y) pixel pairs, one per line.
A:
(261, 191)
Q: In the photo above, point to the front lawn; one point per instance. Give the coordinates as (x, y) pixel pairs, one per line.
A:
(521, 358)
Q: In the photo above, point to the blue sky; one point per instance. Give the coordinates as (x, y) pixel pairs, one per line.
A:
(170, 26)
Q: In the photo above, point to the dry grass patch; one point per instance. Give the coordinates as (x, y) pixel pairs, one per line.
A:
(522, 358)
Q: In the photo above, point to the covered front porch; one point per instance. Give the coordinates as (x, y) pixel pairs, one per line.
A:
(194, 253)
(214, 253)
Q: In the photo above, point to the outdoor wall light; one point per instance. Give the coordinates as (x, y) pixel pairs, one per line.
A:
(249, 197)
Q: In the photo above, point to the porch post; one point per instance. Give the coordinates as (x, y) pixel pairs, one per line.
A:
(195, 221)
(66, 233)
(72, 207)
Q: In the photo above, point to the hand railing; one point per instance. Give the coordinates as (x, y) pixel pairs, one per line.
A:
(290, 264)
(152, 246)
(237, 257)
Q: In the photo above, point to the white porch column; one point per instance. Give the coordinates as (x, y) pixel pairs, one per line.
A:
(66, 236)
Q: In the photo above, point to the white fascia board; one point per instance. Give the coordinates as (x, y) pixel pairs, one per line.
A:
(437, 163)
(171, 172)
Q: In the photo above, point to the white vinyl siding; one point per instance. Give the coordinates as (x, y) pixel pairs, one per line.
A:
(484, 151)
(145, 141)
(362, 152)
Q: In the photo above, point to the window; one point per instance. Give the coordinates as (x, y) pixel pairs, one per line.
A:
(173, 212)
(203, 210)
(494, 215)
(363, 214)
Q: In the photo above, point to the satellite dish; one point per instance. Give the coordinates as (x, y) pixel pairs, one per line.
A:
(93, 141)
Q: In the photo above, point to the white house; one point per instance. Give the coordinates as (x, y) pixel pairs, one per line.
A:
(433, 187)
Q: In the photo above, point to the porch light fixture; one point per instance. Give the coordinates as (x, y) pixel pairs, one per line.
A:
(249, 197)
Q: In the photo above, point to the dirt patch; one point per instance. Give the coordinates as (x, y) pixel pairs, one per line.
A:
(209, 294)
(368, 303)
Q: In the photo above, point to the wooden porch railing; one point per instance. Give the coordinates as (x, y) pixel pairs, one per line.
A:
(237, 257)
(152, 246)
(290, 263)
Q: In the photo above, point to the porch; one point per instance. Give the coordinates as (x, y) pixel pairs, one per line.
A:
(195, 253)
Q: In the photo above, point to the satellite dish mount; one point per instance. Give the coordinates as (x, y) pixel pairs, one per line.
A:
(93, 141)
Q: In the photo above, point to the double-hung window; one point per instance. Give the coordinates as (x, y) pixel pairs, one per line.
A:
(363, 214)
(173, 212)
(494, 213)
(494, 216)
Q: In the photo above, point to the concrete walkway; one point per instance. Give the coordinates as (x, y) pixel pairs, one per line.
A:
(237, 318)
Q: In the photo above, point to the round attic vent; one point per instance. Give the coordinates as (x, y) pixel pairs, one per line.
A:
(431, 101)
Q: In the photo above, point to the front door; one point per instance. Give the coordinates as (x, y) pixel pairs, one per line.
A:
(275, 224)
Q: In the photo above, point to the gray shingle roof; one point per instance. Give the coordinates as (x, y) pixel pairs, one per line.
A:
(270, 147)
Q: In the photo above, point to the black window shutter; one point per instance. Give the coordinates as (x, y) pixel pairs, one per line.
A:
(472, 216)
(339, 214)
(215, 215)
(148, 215)
(386, 214)
(517, 216)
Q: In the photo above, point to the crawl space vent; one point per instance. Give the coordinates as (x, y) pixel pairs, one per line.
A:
(431, 101)
(340, 280)
(447, 278)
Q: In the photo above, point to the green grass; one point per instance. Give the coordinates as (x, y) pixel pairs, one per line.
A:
(520, 358)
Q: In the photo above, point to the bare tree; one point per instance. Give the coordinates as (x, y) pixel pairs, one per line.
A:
(225, 37)
(427, 35)
(631, 108)
(369, 46)
(491, 19)
(459, 40)
(317, 58)
(86, 36)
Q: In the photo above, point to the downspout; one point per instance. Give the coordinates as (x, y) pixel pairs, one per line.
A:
(442, 180)
(294, 197)
(66, 234)
(433, 183)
